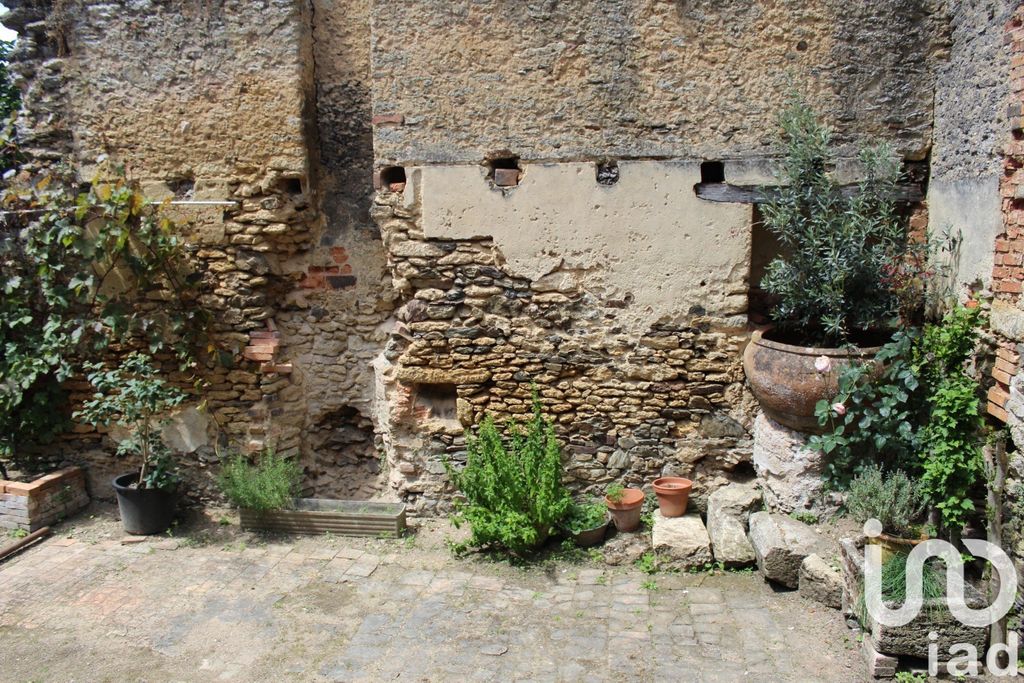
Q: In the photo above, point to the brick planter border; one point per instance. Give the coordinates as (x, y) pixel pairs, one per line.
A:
(50, 498)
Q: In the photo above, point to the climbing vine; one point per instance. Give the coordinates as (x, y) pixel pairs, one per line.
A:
(84, 271)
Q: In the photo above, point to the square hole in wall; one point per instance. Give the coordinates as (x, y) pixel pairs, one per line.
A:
(435, 402)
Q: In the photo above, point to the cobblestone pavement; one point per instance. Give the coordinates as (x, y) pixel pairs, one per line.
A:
(218, 604)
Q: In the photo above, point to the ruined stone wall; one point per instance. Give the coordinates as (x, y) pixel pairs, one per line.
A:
(623, 305)
(644, 78)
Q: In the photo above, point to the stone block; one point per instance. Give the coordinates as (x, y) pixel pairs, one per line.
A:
(821, 582)
(736, 500)
(879, 665)
(789, 472)
(681, 542)
(781, 544)
(729, 541)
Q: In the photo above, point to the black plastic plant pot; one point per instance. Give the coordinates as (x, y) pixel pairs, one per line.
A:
(143, 511)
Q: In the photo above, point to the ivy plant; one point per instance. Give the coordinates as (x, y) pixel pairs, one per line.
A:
(79, 271)
(512, 487)
(831, 283)
(921, 413)
(133, 395)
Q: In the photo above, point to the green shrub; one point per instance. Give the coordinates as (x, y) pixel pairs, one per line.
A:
(514, 497)
(922, 415)
(585, 516)
(832, 280)
(614, 492)
(893, 499)
(271, 483)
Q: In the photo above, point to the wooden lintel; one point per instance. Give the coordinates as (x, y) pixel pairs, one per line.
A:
(759, 194)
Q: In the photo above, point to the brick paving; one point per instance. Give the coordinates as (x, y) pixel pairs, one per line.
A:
(230, 606)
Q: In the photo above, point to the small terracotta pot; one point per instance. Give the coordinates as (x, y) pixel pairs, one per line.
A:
(626, 512)
(673, 495)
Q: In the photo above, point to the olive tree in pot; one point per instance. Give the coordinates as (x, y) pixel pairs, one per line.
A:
(835, 299)
(133, 396)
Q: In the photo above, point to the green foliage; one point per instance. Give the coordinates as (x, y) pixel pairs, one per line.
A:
(514, 496)
(805, 516)
(585, 516)
(893, 499)
(271, 483)
(10, 96)
(647, 563)
(911, 677)
(614, 492)
(894, 584)
(832, 280)
(134, 396)
(78, 272)
(922, 415)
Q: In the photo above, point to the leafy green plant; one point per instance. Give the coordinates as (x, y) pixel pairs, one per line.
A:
(270, 483)
(134, 396)
(920, 414)
(831, 281)
(514, 496)
(614, 492)
(585, 516)
(80, 271)
(893, 499)
(911, 677)
(647, 563)
(805, 516)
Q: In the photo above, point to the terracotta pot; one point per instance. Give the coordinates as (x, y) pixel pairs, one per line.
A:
(673, 495)
(626, 512)
(589, 537)
(784, 380)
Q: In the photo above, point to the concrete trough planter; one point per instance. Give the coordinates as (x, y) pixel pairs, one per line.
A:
(321, 515)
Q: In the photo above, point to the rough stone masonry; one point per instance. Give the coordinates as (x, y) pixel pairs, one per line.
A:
(535, 227)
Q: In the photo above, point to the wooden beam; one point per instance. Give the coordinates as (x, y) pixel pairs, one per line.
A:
(759, 194)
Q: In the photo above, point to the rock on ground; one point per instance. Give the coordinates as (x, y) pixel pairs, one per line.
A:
(625, 548)
(736, 500)
(781, 544)
(729, 539)
(681, 542)
(821, 582)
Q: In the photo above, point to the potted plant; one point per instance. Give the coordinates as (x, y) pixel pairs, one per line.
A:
(834, 298)
(266, 486)
(587, 523)
(673, 495)
(625, 506)
(895, 501)
(132, 396)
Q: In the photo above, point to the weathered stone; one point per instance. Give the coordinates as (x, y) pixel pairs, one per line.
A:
(879, 665)
(781, 544)
(821, 582)
(187, 430)
(737, 500)
(682, 542)
(729, 539)
(424, 375)
(625, 549)
(789, 472)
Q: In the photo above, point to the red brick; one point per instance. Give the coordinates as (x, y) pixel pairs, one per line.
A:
(384, 119)
(1004, 366)
(506, 177)
(1002, 376)
(1009, 286)
(998, 395)
(1008, 354)
(339, 254)
(998, 412)
(1002, 245)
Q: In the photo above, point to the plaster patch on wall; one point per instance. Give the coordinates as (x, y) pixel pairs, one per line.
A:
(972, 208)
(647, 238)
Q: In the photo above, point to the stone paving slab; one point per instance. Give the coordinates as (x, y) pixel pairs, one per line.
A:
(374, 610)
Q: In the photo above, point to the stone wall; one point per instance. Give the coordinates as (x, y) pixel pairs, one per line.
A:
(971, 100)
(628, 323)
(643, 78)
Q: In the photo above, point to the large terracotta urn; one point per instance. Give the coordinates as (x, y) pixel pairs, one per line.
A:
(788, 381)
